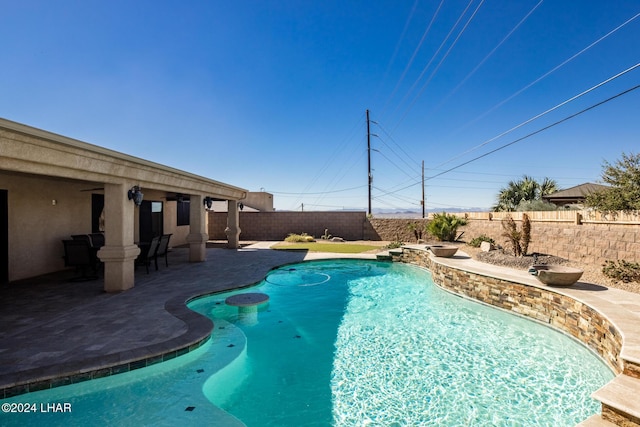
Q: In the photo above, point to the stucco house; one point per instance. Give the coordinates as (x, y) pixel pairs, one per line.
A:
(573, 196)
(52, 187)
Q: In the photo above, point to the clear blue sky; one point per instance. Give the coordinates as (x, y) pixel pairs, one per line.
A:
(272, 94)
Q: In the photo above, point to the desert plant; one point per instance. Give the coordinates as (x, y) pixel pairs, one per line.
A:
(326, 235)
(476, 241)
(415, 229)
(525, 239)
(519, 239)
(444, 227)
(512, 235)
(299, 238)
(622, 270)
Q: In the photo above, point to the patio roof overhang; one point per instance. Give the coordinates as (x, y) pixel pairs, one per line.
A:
(25, 149)
(33, 152)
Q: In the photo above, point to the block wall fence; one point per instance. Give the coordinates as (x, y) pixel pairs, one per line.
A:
(570, 237)
(591, 243)
(278, 225)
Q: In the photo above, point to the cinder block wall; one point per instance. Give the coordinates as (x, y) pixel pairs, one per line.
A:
(278, 225)
(591, 243)
(588, 243)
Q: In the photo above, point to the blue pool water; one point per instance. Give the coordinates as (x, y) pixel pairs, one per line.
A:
(348, 343)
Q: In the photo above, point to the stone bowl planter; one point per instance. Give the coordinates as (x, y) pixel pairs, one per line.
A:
(442, 250)
(556, 275)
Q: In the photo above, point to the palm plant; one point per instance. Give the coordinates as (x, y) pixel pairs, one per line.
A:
(526, 189)
(445, 226)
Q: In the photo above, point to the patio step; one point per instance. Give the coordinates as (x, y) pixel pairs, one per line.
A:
(619, 399)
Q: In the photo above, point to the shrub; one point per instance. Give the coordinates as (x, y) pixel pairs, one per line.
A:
(476, 241)
(299, 238)
(394, 245)
(444, 226)
(622, 270)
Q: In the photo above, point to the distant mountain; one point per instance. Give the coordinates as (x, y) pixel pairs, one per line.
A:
(387, 212)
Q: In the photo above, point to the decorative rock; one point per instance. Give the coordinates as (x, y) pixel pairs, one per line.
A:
(337, 239)
(487, 246)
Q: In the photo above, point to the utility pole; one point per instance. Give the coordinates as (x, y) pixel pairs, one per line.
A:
(369, 160)
(423, 201)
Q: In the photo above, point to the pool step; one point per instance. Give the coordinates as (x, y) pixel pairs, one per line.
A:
(595, 421)
(619, 399)
(383, 256)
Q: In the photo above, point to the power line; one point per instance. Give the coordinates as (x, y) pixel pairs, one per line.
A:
(562, 64)
(433, 73)
(397, 49)
(330, 159)
(481, 63)
(413, 56)
(433, 57)
(540, 130)
(408, 156)
(573, 98)
(320, 192)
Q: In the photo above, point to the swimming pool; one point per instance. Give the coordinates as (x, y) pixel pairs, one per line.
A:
(350, 343)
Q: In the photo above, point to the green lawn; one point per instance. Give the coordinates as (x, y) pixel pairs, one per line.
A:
(341, 248)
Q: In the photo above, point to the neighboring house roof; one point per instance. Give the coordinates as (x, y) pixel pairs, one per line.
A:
(574, 194)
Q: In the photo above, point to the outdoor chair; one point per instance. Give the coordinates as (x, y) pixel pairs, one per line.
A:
(78, 254)
(148, 252)
(163, 250)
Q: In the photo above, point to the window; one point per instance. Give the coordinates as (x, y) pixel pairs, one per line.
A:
(183, 212)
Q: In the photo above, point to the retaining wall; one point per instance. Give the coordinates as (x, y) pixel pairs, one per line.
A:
(559, 311)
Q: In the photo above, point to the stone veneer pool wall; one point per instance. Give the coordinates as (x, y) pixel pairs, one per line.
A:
(559, 311)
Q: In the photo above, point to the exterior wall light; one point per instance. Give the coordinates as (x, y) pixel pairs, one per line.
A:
(207, 202)
(136, 195)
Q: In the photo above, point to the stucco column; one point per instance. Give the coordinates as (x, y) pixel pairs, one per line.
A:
(198, 236)
(119, 252)
(233, 228)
